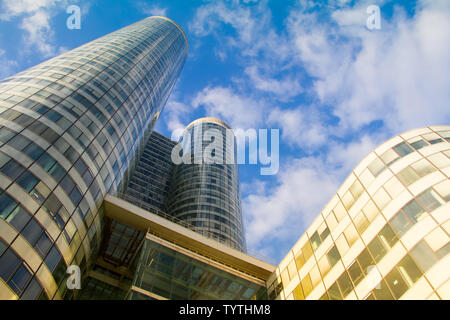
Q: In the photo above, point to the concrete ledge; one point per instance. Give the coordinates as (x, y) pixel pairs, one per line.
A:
(140, 219)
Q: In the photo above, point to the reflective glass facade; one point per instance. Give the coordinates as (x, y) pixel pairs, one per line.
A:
(70, 130)
(166, 273)
(206, 193)
(150, 181)
(385, 234)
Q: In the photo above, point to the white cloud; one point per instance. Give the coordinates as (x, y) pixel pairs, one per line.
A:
(231, 107)
(39, 32)
(283, 212)
(13, 8)
(154, 10)
(36, 22)
(174, 114)
(398, 74)
(300, 127)
(7, 67)
(302, 189)
(284, 89)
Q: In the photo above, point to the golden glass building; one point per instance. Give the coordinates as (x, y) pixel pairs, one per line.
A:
(385, 234)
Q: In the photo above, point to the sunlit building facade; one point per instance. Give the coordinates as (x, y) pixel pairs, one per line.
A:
(385, 234)
(70, 131)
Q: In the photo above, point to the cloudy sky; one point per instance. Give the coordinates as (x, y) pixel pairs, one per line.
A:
(312, 69)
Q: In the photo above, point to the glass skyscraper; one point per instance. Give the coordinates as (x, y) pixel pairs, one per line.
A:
(205, 191)
(70, 130)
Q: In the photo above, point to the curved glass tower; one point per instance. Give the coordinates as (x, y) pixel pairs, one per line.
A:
(205, 187)
(385, 234)
(70, 130)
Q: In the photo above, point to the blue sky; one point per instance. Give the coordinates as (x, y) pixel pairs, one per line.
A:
(312, 69)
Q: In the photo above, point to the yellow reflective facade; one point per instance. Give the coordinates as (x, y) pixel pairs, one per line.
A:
(385, 234)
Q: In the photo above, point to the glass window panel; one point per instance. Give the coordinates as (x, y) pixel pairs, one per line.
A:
(414, 211)
(440, 160)
(325, 296)
(356, 273)
(333, 256)
(292, 269)
(12, 169)
(315, 276)
(423, 167)
(348, 200)
(46, 162)
(52, 258)
(419, 144)
(324, 266)
(32, 232)
(389, 157)
(365, 260)
(20, 279)
(339, 211)
(376, 167)
(342, 245)
(285, 277)
(307, 285)
(381, 198)
(409, 270)
(307, 251)
(377, 249)
(334, 293)
(356, 189)
(6, 134)
(332, 222)
(400, 224)
(3, 247)
(396, 283)
(361, 222)
(315, 241)
(442, 252)
(27, 181)
(394, 187)
(299, 260)
(345, 284)
(382, 292)
(298, 293)
(429, 200)
(19, 142)
(423, 256)
(370, 211)
(33, 290)
(43, 245)
(403, 149)
(351, 235)
(408, 176)
(9, 262)
(3, 159)
(7, 205)
(19, 218)
(388, 236)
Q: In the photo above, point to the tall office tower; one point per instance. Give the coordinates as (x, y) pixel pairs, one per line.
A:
(150, 181)
(70, 129)
(385, 234)
(205, 187)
